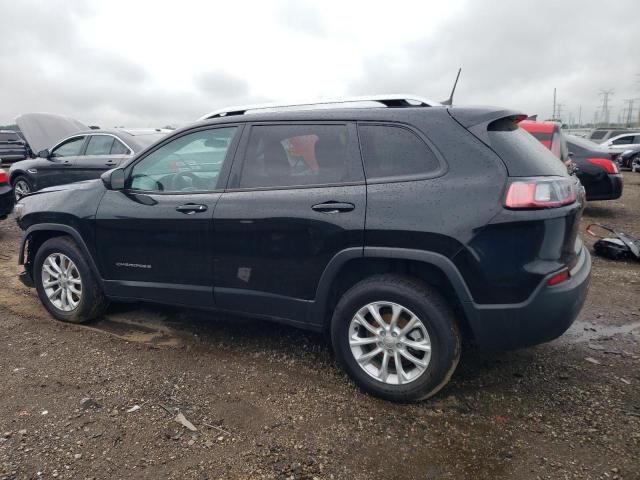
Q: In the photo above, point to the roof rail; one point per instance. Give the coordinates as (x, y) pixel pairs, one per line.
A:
(391, 100)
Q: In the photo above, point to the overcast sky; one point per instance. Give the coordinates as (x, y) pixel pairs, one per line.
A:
(139, 63)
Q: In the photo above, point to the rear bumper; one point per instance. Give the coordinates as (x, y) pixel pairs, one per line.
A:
(546, 315)
(6, 201)
(610, 189)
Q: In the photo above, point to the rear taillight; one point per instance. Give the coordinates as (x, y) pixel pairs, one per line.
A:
(608, 165)
(541, 192)
(4, 178)
(558, 278)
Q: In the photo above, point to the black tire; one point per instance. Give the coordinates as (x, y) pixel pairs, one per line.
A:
(20, 178)
(92, 301)
(429, 306)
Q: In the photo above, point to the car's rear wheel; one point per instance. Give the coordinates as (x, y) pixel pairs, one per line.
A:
(21, 187)
(396, 337)
(66, 285)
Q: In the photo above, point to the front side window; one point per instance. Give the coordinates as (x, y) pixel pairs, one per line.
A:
(99, 145)
(296, 155)
(390, 151)
(188, 163)
(69, 148)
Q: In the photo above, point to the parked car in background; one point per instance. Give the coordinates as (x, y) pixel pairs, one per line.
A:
(12, 147)
(551, 136)
(623, 142)
(630, 159)
(600, 135)
(79, 154)
(6, 195)
(597, 169)
(398, 229)
(592, 164)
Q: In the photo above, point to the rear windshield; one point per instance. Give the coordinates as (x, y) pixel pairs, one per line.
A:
(8, 137)
(597, 134)
(522, 154)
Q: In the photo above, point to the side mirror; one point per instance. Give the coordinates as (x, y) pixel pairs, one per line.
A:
(44, 153)
(113, 179)
(570, 154)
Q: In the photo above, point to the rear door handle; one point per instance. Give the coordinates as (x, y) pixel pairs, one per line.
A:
(110, 163)
(333, 207)
(191, 208)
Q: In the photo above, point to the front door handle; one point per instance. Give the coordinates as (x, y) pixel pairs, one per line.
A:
(110, 163)
(191, 208)
(333, 207)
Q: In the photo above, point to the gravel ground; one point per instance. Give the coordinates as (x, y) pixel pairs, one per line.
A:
(267, 401)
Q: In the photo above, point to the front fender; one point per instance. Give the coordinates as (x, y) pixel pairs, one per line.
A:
(62, 229)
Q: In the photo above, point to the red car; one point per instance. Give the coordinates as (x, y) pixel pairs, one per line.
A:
(592, 164)
(6, 195)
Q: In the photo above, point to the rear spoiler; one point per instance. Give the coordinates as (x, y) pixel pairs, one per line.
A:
(478, 119)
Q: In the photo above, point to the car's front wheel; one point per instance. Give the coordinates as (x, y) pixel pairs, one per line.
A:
(66, 285)
(396, 337)
(21, 187)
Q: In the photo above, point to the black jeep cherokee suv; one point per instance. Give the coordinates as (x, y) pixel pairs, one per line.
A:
(398, 229)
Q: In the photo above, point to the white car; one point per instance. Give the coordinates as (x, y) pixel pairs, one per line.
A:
(623, 142)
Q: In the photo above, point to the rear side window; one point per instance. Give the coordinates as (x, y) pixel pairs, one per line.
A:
(392, 151)
(522, 154)
(99, 145)
(598, 134)
(623, 140)
(118, 148)
(297, 155)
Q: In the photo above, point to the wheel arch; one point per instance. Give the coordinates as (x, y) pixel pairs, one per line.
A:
(19, 173)
(36, 235)
(353, 265)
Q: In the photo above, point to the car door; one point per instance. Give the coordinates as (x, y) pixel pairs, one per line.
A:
(58, 169)
(154, 237)
(296, 198)
(103, 152)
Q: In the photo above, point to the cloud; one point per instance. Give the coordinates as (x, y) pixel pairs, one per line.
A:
(137, 64)
(514, 54)
(300, 16)
(222, 85)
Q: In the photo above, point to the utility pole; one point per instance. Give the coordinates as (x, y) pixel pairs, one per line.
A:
(605, 94)
(553, 115)
(558, 116)
(580, 117)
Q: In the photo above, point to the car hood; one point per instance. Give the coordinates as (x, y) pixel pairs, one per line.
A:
(84, 185)
(44, 130)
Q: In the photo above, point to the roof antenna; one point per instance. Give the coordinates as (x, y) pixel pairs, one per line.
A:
(449, 101)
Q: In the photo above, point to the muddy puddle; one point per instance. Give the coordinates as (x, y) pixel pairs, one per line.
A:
(587, 331)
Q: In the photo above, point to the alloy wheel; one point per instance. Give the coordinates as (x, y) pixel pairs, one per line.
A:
(390, 343)
(20, 189)
(61, 282)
